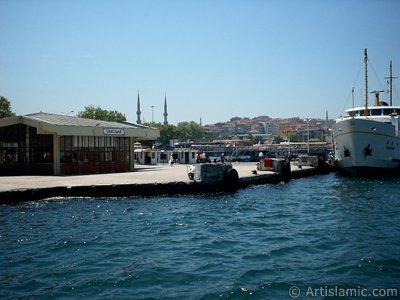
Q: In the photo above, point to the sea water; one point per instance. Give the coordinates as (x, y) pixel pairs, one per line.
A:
(314, 238)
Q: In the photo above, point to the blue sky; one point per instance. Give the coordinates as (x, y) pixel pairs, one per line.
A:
(214, 59)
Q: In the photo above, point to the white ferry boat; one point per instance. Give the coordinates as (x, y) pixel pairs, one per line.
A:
(367, 139)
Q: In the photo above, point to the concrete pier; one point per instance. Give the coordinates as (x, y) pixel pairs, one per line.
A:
(146, 180)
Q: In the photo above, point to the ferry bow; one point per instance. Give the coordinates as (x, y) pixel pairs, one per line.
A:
(367, 139)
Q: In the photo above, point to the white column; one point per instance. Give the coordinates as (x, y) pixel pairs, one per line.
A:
(131, 153)
(56, 154)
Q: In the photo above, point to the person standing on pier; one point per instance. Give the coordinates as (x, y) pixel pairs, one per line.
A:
(260, 156)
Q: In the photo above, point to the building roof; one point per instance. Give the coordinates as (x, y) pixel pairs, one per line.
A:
(47, 123)
(64, 120)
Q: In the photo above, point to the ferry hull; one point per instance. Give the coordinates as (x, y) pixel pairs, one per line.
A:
(366, 147)
(368, 171)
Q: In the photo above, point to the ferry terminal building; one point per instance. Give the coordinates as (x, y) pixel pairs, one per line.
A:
(52, 144)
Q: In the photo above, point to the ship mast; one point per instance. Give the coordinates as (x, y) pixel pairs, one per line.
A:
(366, 113)
(390, 83)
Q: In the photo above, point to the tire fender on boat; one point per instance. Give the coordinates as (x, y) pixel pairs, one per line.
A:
(231, 180)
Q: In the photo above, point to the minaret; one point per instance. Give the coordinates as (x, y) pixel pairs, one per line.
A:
(165, 110)
(138, 112)
(326, 118)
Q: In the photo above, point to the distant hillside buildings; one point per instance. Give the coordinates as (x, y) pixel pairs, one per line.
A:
(268, 128)
(264, 127)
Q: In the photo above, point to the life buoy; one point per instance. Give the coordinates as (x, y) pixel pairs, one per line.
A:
(231, 180)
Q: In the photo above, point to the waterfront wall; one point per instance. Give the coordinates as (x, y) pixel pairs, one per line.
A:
(150, 189)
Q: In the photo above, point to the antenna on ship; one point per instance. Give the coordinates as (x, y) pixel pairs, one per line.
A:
(390, 83)
(366, 113)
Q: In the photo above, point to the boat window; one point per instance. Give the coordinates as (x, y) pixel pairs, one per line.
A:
(376, 112)
(387, 111)
(397, 111)
(361, 112)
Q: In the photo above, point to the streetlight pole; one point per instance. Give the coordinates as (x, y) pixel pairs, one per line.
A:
(152, 114)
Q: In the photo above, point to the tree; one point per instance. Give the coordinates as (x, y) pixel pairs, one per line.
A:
(167, 132)
(189, 131)
(184, 131)
(293, 137)
(257, 139)
(235, 119)
(5, 108)
(97, 113)
(278, 140)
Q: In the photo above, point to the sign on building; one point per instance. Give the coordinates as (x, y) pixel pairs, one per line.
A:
(114, 131)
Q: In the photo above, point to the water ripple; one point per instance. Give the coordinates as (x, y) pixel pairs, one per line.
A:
(255, 244)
